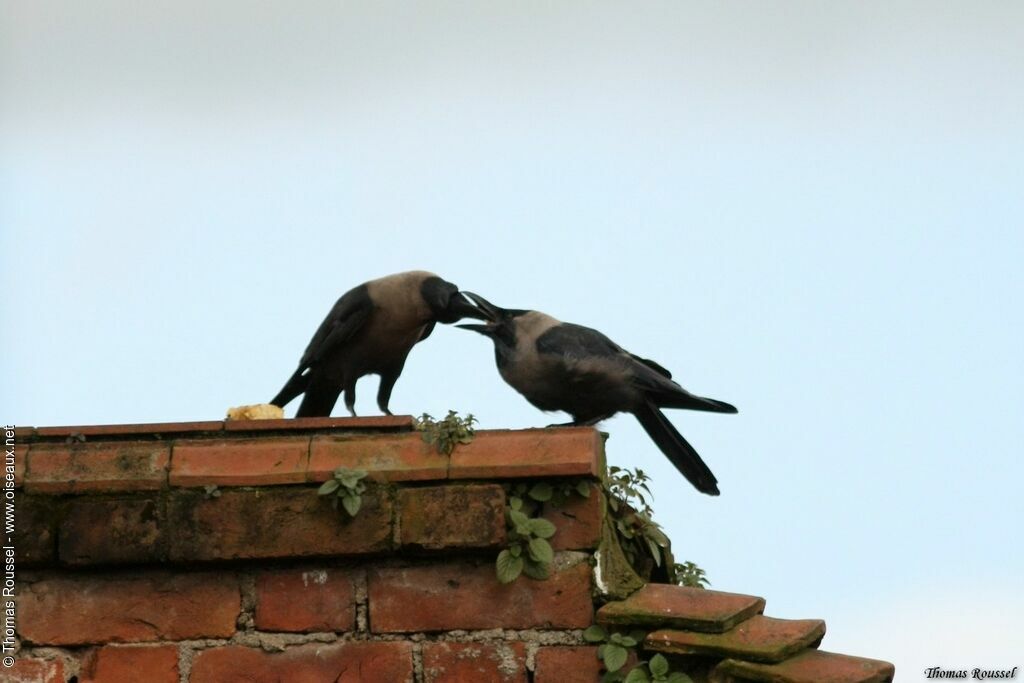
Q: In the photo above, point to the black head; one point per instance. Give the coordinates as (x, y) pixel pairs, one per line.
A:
(446, 302)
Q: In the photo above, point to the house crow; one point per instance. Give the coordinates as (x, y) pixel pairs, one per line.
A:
(578, 370)
(371, 330)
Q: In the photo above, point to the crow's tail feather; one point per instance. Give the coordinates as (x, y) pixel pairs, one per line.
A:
(676, 448)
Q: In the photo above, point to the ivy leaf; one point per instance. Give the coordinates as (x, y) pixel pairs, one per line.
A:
(627, 641)
(508, 566)
(583, 488)
(540, 550)
(541, 491)
(515, 502)
(328, 487)
(655, 551)
(637, 675)
(519, 520)
(614, 657)
(541, 528)
(595, 634)
(679, 677)
(516, 549)
(536, 570)
(352, 504)
(659, 666)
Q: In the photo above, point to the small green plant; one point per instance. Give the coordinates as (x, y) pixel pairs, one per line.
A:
(211, 491)
(529, 551)
(642, 540)
(346, 486)
(613, 650)
(689, 574)
(446, 434)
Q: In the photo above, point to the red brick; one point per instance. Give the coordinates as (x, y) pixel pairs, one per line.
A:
(20, 458)
(88, 609)
(503, 662)
(112, 466)
(679, 607)
(567, 665)
(115, 664)
(305, 600)
(759, 638)
(30, 670)
(147, 429)
(437, 517)
(240, 462)
(465, 596)
(578, 521)
(373, 422)
(352, 662)
(24, 434)
(387, 457)
(35, 534)
(111, 531)
(810, 666)
(553, 452)
(283, 522)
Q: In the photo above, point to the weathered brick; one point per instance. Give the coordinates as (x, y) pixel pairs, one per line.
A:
(467, 596)
(35, 534)
(810, 666)
(553, 452)
(503, 662)
(679, 607)
(305, 600)
(352, 662)
(111, 466)
(759, 638)
(240, 462)
(567, 665)
(264, 523)
(147, 429)
(117, 664)
(386, 457)
(23, 435)
(372, 422)
(20, 458)
(111, 531)
(87, 609)
(452, 516)
(578, 521)
(32, 670)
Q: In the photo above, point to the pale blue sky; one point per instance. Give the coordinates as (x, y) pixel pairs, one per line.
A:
(810, 210)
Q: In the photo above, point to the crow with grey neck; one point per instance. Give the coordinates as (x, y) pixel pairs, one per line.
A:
(578, 370)
(371, 330)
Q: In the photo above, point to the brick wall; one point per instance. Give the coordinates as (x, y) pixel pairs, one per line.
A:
(201, 552)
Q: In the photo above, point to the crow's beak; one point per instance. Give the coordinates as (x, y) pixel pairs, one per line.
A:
(461, 307)
(486, 330)
(492, 312)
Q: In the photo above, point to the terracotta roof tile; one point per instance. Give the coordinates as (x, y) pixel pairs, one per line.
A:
(811, 666)
(759, 638)
(695, 609)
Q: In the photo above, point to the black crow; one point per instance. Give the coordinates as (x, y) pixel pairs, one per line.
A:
(371, 330)
(578, 370)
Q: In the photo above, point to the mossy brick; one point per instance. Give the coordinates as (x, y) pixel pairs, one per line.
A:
(117, 664)
(681, 607)
(273, 522)
(347, 662)
(35, 534)
(240, 462)
(452, 516)
(810, 666)
(90, 468)
(305, 600)
(461, 595)
(494, 662)
(148, 606)
(98, 531)
(385, 457)
(552, 452)
(759, 638)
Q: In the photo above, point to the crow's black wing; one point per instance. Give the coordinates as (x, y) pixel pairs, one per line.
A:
(346, 318)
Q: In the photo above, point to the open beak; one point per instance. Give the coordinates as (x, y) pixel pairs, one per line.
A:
(486, 330)
(461, 307)
(491, 312)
